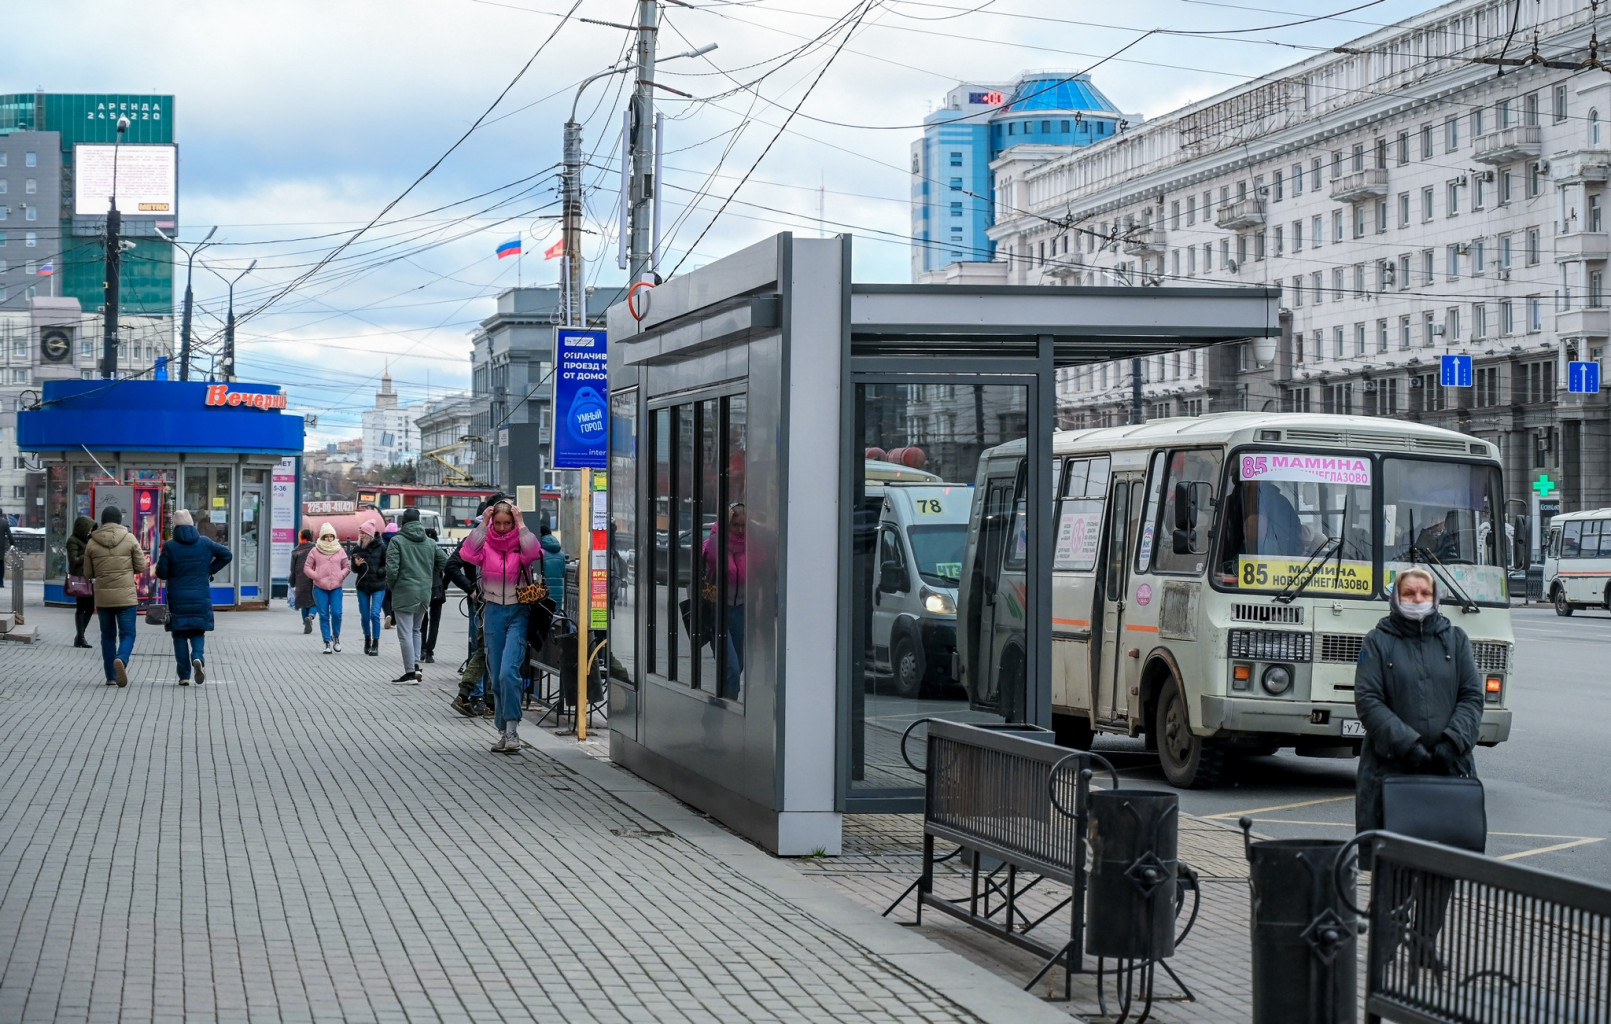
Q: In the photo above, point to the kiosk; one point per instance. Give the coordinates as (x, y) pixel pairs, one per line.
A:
(747, 398)
(227, 452)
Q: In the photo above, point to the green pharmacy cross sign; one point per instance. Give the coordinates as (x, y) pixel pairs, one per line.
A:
(1543, 485)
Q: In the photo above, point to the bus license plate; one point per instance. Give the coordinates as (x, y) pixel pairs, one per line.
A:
(1353, 727)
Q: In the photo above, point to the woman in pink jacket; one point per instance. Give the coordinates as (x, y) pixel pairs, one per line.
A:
(504, 549)
(327, 566)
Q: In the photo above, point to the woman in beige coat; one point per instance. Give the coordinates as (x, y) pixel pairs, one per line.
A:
(114, 561)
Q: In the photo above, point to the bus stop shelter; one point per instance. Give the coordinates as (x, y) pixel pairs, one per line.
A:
(758, 406)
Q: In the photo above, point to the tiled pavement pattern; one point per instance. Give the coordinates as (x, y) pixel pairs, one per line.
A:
(301, 840)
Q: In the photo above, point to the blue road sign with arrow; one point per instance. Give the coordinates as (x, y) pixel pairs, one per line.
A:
(1583, 378)
(1456, 371)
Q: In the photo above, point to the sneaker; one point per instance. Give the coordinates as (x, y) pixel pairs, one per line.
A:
(428, 657)
(511, 745)
(419, 674)
(120, 672)
(502, 744)
(390, 622)
(478, 709)
(111, 682)
(183, 681)
(327, 647)
(408, 679)
(337, 642)
(200, 668)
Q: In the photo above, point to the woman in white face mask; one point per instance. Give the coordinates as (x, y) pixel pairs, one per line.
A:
(1418, 693)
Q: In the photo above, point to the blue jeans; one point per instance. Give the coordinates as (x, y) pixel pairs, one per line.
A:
(369, 611)
(329, 604)
(187, 649)
(504, 628)
(735, 651)
(117, 635)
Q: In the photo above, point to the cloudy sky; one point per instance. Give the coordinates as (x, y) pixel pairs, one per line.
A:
(299, 121)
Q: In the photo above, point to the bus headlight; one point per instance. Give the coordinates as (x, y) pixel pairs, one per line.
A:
(939, 604)
(1277, 679)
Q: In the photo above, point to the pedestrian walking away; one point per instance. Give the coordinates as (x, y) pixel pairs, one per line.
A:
(301, 586)
(386, 598)
(114, 561)
(84, 606)
(473, 676)
(504, 549)
(433, 612)
(5, 544)
(413, 562)
(188, 563)
(369, 566)
(327, 566)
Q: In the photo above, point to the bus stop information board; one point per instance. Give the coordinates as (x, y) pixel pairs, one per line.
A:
(581, 400)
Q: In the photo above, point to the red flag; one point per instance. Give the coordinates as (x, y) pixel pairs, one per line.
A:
(554, 251)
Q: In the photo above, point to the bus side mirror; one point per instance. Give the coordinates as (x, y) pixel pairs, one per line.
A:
(892, 578)
(1185, 506)
(1181, 542)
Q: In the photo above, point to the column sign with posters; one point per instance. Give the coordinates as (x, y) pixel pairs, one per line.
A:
(1262, 569)
(282, 512)
(581, 399)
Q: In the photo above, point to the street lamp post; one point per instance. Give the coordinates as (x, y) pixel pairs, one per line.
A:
(190, 266)
(229, 323)
(114, 259)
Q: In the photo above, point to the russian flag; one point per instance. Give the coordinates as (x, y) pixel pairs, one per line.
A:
(509, 248)
(47, 269)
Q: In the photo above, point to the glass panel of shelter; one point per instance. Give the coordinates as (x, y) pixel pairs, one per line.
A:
(698, 567)
(913, 506)
(623, 537)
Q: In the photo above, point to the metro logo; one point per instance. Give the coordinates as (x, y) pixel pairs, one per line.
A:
(221, 395)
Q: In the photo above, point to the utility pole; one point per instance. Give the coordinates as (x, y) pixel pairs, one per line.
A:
(640, 255)
(571, 211)
(229, 324)
(1135, 390)
(190, 268)
(114, 266)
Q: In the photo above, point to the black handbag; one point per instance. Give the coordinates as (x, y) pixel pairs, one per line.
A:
(1437, 808)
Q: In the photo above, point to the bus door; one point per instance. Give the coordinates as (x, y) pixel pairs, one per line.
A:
(1108, 661)
(999, 580)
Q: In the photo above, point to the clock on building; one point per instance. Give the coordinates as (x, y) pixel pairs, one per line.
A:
(56, 344)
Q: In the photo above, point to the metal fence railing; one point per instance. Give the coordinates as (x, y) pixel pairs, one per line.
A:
(1458, 937)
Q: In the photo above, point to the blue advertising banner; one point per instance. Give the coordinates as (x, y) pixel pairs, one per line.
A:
(581, 399)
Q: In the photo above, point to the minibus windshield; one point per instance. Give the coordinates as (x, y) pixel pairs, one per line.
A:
(1284, 507)
(938, 551)
(1445, 512)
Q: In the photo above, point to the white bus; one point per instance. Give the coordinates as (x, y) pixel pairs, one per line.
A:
(1214, 577)
(1577, 561)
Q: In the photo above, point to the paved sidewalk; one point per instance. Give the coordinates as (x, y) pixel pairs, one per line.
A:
(299, 839)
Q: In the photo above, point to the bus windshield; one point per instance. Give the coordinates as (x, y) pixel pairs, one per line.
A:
(1445, 512)
(1285, 507)
(938, 551)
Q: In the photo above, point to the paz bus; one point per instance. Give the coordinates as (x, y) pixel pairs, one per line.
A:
(1577, 561)
(1214, 577)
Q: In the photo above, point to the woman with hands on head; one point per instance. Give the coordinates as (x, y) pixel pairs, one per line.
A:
(504, 549)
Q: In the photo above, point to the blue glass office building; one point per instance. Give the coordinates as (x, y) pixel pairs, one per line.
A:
(953, 192)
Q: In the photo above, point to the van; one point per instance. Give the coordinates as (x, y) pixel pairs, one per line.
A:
(922, 529)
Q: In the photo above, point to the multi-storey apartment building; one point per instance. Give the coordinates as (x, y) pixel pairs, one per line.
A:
(1411, 201)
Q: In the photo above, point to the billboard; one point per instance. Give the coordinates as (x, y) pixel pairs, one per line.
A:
(147, 180)
(581, 399)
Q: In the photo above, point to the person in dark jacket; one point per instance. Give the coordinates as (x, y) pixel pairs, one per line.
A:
(471, 701)
(433, 613)
(301, 586)
(1418, 695)
(84, 608)
(5, 545)
(553, 561)
(369, 563)
(188, 563)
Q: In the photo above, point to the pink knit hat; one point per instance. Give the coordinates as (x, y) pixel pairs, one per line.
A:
(391, 527)
(366, 528)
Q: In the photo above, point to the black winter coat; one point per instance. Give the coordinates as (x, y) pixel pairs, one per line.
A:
(1417, 682)
(372, 574)
(461, 573)
(188, 562)
(302, 586)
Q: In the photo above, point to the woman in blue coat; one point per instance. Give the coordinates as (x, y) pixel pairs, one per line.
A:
(187, 563)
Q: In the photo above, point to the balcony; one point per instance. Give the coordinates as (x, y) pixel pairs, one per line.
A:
(1507, 145)
(1243, 213)
(1371, 183)
(1582, 246)
(1583, 323)
(1145, 241)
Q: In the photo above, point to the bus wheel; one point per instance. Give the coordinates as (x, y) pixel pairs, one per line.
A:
(1189, 761)
(904, 667)
(1563, 607)
(1073, 731)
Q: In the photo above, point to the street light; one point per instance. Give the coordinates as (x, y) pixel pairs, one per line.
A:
(229, 322)
(114, 259)
(190, 262)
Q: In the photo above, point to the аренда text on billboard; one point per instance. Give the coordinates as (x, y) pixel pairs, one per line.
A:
(147, 180)
(581, 399)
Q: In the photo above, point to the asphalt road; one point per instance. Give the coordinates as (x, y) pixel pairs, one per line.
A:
(1547, 786)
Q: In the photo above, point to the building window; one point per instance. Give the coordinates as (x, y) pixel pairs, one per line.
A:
(1426, 203)
(1297, 179)
(1535, 314)
(1532, 247)
(1533, 183)
(956, 159)
(30, 159)
(1280, 249)
(956, 184)
(1504, 252)
(1452, 198)
(1317, 230)
(1451, 325)
(29, 239)
(30, 213)
(1241, 248)
(1452, 261)
(1317, 282)
(1507, 317)
(1594, 212)
(1336, 226)
(1426, 142)
(1297, 291)
(1403, 272)
(1451, 133)
(1337, 286)
(1403, 209)
(1314, 174)
(1381, 335)
(1476, 122)
(1381, 216)
(1359, 220)
(1479, 320)
(30, 186)
(1337, 342)
(1594, 127)
(1191, 210)
(1560, 103)
(1506, 181)
(1336, 164)
(1426, 266)
(1174, 215)
(1428, 329)
(1502, 113)
(1358, 157)
(1530, 109)
(1297, 236)
(1479, 257)
(30, 268)
(956, 209)
(1404, 333)
(1403, 148)
(1276, 187)
(1596, 289)
(1359, 339)
(1208, 257)
(1479, 191)
(1487, 386)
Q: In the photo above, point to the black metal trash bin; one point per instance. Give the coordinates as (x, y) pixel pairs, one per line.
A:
(1130, 893)
(1305, 966)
